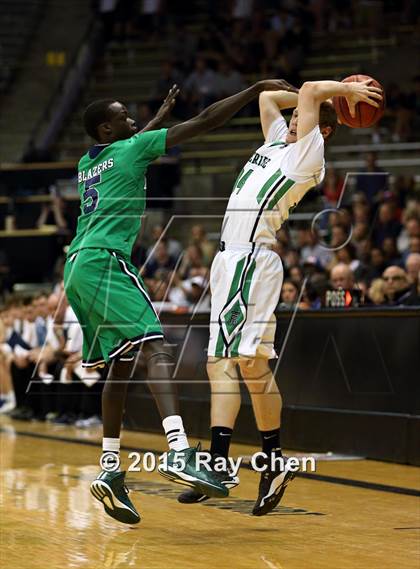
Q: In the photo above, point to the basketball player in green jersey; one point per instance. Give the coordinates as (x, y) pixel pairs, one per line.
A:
(108, 296)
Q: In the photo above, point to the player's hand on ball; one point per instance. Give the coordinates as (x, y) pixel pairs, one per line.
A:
(276, 85)
(362, 91)
(168, 103)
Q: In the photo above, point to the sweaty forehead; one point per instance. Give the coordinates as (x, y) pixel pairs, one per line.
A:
(117, 108)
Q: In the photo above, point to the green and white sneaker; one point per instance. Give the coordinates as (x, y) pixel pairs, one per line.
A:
(200, 478)
(226, 477)
(109, 488)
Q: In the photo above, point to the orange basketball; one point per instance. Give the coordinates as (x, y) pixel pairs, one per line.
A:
(366, 115)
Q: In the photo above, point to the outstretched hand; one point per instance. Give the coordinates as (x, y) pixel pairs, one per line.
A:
(168, 104)
(363, 91)
(276, 85)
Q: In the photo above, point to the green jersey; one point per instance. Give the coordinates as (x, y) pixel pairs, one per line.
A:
(112, 189)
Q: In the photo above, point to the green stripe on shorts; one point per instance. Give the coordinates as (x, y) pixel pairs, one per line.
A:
(234, 350)
(233, 288)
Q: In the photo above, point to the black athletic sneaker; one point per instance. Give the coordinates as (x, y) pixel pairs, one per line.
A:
(225, 477)
(272, 486)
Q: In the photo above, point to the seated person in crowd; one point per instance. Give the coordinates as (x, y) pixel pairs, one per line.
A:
(389, 247)
(372, 185)
(386, 225)
(296, 274)
(376, 292)
(192, 264)
(342, 277)
(201, 85)
(412, 266)
(289, 295)
(174, 247)
(167, 292)
(7, 393)
(171, 293)
(161, 259)
(413, 247)
(411, 228)
(228, 80)
(197, 293)
(199, 238)
(311, 247)
(397, 288)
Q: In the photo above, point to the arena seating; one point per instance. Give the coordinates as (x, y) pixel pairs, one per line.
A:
(40, 71)
(17, 24)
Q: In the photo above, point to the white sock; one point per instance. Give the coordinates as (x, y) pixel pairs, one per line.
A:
(110, 445)
(174, 430)
(11, 397)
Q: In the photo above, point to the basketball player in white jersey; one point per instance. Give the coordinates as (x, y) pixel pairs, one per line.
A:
(246, 275)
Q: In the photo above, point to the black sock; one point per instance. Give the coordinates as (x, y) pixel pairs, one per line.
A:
(220, 440)
(271, 442)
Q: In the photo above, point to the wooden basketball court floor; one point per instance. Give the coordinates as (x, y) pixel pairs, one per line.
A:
(351, 514)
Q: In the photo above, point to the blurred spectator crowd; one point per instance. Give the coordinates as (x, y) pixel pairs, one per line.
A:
(402, 112)
(245, 39)
(371, 244)
(40, 362)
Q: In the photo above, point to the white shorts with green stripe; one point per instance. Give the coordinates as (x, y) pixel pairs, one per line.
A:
(245, 285)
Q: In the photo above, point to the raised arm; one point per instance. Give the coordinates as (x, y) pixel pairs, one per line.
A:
(219, 113)
(313, 93)
(272, 102)
(164, 110)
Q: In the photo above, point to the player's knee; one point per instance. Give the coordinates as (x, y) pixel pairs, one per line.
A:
(220, 368)
(156, 349)
(255, 369)
(213, 367)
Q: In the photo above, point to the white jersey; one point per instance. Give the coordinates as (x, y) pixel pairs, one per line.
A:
(271, 183)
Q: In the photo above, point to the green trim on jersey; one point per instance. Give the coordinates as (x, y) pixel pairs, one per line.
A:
(234, 349)
(280, 143)
(268, 185)
(285, 187)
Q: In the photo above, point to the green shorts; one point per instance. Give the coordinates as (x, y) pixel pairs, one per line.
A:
(111, 304)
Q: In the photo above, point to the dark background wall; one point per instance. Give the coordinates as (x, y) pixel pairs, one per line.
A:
(349, 380)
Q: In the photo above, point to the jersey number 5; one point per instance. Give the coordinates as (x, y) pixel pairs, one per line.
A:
(91, 195)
